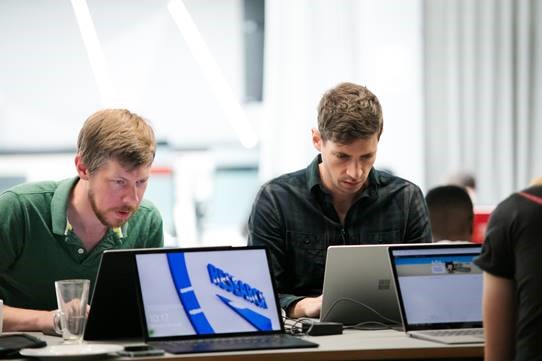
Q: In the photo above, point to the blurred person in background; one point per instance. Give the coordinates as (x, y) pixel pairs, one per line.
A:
(512, 296)
(58, 230)
(451, 213)
(536, 181)
(466, 180)
(339, 199)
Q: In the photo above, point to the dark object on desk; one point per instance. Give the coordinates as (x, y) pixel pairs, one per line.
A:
(316, 328)
(10, 344)
(140, 351)
(228, 298)
(114, 310)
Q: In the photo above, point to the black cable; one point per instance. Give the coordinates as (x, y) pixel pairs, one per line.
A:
(297, 330)
(343, 299)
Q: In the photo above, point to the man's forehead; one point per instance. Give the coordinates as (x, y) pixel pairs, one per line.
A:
(363, 144)
(114, 166)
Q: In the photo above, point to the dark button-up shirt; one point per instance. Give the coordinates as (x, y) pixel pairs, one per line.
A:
(294, 217)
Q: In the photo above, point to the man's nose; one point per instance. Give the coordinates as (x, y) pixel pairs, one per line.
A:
(132, 195)
(354, 170)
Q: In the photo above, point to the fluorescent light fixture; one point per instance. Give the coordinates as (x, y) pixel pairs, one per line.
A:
(94, 51)
(211, 71)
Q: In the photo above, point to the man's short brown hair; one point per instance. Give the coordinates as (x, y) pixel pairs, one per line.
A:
(116, 134)
(349, 112)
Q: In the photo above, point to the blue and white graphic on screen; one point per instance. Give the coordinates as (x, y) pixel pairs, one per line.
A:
(239, 288)
(257, 320)
(181, 277)
(244, 291)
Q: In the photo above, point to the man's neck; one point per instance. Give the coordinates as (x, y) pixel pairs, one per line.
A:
(82, 218)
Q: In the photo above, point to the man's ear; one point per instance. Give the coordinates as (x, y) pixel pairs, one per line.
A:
(82, 170)
(316, 139)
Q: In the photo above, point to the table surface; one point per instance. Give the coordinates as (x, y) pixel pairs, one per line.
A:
(352, 345)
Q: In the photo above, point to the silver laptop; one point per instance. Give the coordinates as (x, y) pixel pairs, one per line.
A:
(439, 289)
(358, 287)
(207, 300)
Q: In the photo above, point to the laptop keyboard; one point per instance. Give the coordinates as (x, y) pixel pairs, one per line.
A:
(232, 344)
(462, 332)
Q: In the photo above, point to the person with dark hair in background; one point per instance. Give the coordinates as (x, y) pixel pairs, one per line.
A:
(51, 231)
(465, 180)
(451, 213)
(511, 260)
(339, 199)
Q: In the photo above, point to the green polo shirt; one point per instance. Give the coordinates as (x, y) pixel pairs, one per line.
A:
(38, 247)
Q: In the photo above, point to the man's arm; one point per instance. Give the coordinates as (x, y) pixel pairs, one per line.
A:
(11, 244)
(266, 228)
(21, 319)
(156, 236)
(418, 225)
(305, 307)
(499, 315)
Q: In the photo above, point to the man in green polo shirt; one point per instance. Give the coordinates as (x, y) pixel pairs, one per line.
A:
(58, 230)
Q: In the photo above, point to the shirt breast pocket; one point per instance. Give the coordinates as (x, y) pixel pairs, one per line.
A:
(309, 251)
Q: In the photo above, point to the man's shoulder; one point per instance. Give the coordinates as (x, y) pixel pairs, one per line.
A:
(292, 179)
(389, 181)
(25, 190)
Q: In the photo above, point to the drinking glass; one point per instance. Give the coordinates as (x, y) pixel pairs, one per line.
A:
(72, 299)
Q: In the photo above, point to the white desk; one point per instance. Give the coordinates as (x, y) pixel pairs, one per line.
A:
(352, 345)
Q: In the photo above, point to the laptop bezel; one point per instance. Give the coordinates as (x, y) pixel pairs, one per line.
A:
(434, 326)
(143, 320)
(114, 288)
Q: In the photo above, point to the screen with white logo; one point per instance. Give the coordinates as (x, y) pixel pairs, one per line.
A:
(207, 292)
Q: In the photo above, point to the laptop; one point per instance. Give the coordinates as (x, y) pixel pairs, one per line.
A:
(358, 287)
(114, 309)
(439, 289)
(116, 284)
(210, 300)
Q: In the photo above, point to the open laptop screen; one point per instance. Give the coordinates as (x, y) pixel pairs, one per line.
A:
(438, 286)
(207, 292)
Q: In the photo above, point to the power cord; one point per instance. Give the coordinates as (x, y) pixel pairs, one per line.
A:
(295, 325)
(376, 325)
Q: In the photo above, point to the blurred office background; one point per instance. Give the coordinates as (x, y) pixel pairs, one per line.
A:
(231, 88)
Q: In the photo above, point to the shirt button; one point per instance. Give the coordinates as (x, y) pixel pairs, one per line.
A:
(80, 251)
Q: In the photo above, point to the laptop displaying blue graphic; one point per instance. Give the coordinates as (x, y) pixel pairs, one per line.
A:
(202, 300)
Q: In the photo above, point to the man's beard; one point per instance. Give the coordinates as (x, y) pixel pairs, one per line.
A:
(101, 215)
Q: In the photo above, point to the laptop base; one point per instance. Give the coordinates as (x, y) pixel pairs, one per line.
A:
(474, 336)
(243, 343)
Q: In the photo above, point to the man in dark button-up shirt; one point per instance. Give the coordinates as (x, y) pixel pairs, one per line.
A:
(339, 199)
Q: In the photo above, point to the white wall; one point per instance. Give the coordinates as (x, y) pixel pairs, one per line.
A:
(311, 46)
(47, 88)
(390, 60)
